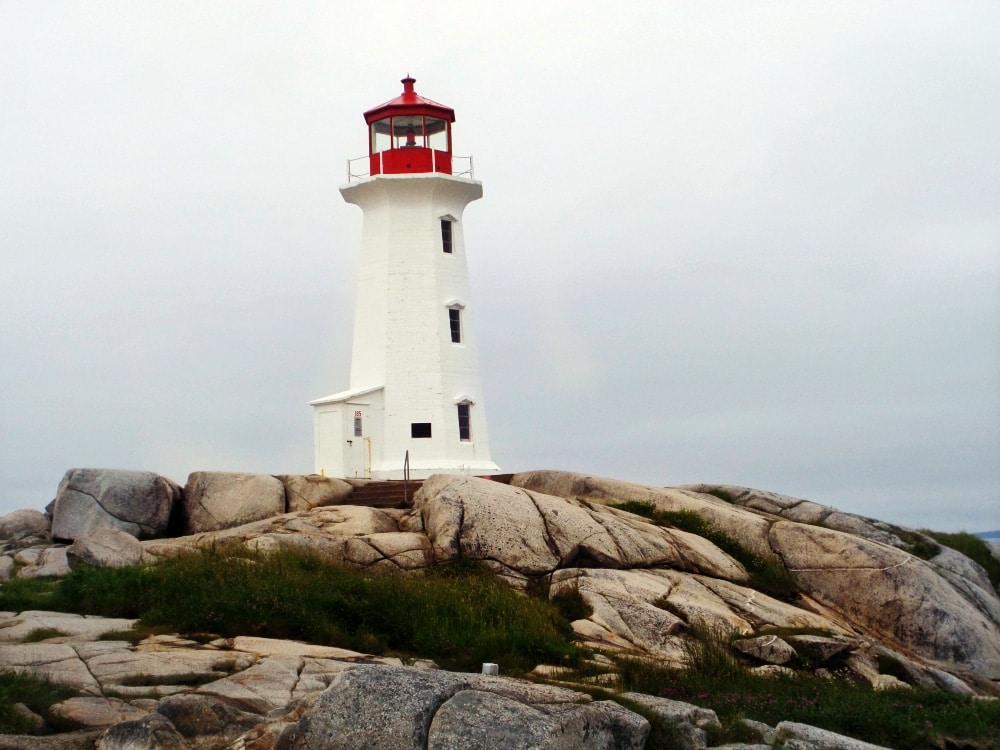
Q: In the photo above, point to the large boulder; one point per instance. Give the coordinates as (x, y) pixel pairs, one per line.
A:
(220, 500)
(813, 738)
(93, 711)
(375, 707)
(304, 492)
(197, 716)
(23, 528)
(42, 562)
(152, 732)
(136, 502)
(476, 720)
(106, 548)
(398, 708)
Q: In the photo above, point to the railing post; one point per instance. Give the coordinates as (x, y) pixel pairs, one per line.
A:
(406, 478)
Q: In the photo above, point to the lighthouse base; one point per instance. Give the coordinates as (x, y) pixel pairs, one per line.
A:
(355, 436)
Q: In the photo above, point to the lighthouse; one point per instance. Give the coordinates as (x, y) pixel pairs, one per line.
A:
(414, 406)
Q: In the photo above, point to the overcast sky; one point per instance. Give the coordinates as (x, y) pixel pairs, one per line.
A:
(731, 242)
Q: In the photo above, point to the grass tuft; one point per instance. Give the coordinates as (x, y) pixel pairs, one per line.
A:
(43, 634)
(36, 694)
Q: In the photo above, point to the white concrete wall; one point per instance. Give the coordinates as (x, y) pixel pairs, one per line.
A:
(402, 338)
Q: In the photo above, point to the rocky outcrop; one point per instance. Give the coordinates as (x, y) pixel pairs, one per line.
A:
(220, 500)
(136, 502)
(524, 533)
(265, 694)
(855, 571)
(865, 580)
(857, 599)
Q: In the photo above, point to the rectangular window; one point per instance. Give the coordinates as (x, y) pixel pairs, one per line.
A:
(464, 423)
(357, 427)
(420, 429)
(446, 235)
(455, 321)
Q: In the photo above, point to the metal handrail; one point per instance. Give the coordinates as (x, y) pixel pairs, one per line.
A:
(461, 166)
(406, 478)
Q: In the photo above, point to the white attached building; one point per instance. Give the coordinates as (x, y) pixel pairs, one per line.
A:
(415, 396)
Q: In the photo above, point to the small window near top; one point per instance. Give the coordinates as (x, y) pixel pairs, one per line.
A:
(357, 427)
(464, 423)
(446, 235)
(455, 321)
(420, 429)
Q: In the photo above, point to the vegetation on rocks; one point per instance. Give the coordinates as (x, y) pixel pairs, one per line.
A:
(972, 547)
(28, 691)
(768, 576)
(459, 614)
(906, 718)
(733, 641)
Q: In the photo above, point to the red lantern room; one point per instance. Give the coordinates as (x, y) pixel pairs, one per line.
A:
(409, 134)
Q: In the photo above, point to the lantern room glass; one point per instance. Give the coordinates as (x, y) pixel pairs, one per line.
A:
(381, 140)
(409, 131)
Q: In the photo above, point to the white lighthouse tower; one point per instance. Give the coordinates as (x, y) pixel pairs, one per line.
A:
(415, 397)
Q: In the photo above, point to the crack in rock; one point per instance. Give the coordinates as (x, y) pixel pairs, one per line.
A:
(900, 564)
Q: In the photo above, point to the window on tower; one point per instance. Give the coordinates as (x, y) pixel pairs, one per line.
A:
(446, 235)
(464, 422)
(455, 321)
(420, 429)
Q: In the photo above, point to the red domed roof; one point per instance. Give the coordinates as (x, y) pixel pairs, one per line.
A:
(410, 102)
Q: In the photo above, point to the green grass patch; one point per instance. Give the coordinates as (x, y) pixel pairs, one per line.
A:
(571, 606)
(20, 594)
(972, 547)
(188, 679)
(911, 719)
(38, 695)
(460, 615)
(766, 575)
(918, 543)
(43, 634)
